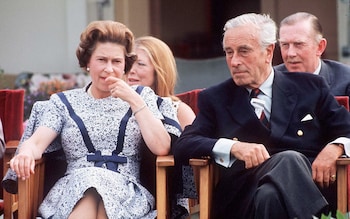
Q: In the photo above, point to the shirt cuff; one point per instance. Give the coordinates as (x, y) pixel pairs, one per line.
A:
(346, 142)
(222, 152)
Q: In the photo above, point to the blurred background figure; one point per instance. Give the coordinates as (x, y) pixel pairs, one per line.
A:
(155, 67)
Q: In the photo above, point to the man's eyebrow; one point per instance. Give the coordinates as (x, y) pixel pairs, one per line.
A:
(286, 41)
(245, 47)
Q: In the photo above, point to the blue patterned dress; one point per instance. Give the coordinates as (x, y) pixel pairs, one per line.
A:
(121, 191)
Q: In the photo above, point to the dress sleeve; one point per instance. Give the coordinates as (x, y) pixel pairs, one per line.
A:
(50, 114)
(150, 99)
(163, 109)
(53, 114)
(169, 112)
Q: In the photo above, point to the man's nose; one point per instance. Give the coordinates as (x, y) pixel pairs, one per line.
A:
(291, 51)
(235, 61)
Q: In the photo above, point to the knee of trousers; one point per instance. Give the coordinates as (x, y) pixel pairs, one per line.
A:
(292, 156)
(293, 159)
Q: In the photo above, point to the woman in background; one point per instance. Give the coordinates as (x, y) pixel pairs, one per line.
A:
(155, 67)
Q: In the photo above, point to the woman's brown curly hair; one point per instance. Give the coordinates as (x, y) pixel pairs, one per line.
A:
(105, 31)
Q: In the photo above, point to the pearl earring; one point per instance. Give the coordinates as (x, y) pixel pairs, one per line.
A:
(87, 69)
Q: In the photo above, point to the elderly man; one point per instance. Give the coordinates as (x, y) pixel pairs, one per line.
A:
(275, 145)
(302, 44)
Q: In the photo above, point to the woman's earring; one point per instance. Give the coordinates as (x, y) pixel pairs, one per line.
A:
(87, 69)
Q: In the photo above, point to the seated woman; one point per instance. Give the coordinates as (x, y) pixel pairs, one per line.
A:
(155, 67)
(102, 129)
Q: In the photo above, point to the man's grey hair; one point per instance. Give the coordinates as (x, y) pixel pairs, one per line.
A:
(262, 22)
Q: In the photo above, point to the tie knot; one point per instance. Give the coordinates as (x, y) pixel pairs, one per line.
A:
(255, 92)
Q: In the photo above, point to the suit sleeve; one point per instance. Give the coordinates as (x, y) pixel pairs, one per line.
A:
(198, 139)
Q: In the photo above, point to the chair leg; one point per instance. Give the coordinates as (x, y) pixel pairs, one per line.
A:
(161, 193)
(205, 187)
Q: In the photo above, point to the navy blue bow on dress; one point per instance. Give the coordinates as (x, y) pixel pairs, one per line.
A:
(111, 161)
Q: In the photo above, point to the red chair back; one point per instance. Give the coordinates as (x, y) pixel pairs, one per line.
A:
(190, 98)
(11, 113)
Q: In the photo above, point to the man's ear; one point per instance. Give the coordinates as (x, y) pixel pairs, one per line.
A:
(321, 47)
(269, 52)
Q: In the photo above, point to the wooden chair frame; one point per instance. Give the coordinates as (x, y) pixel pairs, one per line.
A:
(342, 184)
(162, 205)
(10, 200)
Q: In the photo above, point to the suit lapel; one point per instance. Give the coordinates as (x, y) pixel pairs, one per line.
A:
(238, 105)
(284, 100)
(242, 112)
(325, 72)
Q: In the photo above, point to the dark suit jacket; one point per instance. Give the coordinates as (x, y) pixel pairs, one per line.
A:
(336, 74)
(225, 112)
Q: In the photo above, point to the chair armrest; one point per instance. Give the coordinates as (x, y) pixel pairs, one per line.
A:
(30, 191)
(11, 147)
(200, 161)
(165, 161)
(343, 161)
(10, 150)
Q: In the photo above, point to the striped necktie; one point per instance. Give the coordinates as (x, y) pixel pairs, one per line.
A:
(254, 94)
